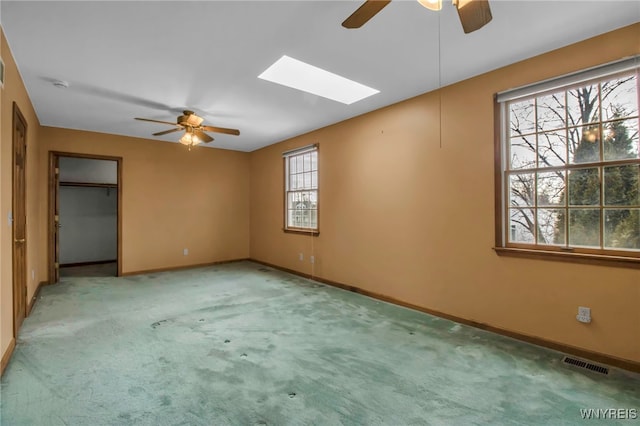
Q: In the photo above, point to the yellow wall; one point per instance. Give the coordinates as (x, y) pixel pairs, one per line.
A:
(404, 217)
(172, 198)
(14, 91)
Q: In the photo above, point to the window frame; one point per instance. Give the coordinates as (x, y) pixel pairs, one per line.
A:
(286, 181)
(602, 255)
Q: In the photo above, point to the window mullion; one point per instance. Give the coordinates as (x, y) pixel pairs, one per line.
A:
(566, 174)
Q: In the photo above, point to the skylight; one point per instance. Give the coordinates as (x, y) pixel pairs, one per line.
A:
(308, 78)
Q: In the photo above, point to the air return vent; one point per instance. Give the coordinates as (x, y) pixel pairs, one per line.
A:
(586, 365)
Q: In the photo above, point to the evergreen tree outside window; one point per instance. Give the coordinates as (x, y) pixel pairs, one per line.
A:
(570, 164)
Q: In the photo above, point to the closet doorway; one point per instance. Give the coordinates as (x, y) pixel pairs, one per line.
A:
(85, 215)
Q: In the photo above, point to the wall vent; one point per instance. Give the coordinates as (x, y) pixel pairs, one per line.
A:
(586, 365)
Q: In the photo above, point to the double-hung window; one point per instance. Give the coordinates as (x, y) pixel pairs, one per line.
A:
(569, 164)
(301, 189)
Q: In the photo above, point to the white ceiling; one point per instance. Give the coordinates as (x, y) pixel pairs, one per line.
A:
(153, 59)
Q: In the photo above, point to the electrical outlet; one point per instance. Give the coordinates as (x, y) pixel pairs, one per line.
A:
(312, 259)
(301, 256)
(584, 314)
(185, 252)
(33, 274)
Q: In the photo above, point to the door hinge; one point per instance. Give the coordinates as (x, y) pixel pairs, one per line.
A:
(56, 218)
(57, 171)
(56, 265)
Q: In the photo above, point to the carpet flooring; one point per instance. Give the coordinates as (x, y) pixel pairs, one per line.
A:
(242, 344)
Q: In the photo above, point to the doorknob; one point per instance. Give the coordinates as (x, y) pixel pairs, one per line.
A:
(19, 241)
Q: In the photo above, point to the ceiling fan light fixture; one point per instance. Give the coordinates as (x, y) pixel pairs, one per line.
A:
(194, 130)
(431, 4)
(189, 139)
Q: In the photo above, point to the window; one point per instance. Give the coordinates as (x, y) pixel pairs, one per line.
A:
(569, 161)
(301, 189)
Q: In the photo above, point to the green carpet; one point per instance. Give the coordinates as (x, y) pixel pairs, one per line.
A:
(241, 344)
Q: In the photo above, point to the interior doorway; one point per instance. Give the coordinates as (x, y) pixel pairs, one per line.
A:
(19, 219)
(85, 215)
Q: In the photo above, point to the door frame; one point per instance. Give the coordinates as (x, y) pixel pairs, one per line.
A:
(54, 186)
(15, 200)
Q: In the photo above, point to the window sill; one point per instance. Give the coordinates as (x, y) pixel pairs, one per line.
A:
(311, 232)
(589, 259)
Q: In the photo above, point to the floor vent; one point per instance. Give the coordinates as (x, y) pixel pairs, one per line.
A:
(587, 365)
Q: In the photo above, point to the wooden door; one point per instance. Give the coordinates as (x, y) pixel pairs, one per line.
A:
(19, 219)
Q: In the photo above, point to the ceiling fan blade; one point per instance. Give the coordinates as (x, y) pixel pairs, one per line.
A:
(194, 120)
(202, 136)
(365, 12)
(221, 130)
(167, 131)
(156, 121)
(474, 14)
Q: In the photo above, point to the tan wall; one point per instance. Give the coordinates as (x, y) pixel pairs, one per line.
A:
(172, 198)
(14, 91)
(404, 217)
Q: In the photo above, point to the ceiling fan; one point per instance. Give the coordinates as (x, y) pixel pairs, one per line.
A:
(474, 14)
(194, 131)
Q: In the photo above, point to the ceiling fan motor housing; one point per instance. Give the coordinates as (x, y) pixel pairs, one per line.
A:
(190, 119)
